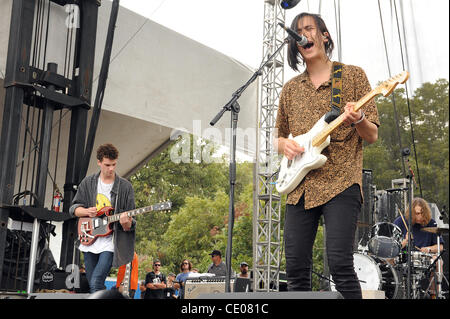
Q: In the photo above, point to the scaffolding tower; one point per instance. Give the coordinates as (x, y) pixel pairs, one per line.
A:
(267, 209)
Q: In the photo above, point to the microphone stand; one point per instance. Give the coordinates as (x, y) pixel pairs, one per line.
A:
(405, 153)
(234, 107)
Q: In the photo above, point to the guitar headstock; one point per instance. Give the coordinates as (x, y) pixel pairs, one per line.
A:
(162, 206)
(389, 85)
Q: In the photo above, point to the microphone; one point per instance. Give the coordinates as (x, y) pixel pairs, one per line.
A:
(301, 40)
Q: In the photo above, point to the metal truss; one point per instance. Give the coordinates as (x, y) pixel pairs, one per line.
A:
(267, 208)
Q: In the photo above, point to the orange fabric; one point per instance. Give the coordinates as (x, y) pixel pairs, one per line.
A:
(133, 276)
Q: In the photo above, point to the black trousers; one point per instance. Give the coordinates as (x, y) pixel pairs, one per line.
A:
(340, 217)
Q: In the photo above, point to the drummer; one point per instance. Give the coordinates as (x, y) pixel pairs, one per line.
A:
(421, 240)
(425, 242)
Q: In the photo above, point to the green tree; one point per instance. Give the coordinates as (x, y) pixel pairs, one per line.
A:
(192, 232)
(163, 179)
(429, 110)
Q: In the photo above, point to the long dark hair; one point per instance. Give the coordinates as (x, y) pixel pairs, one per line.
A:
(189, 262)
(293, 53)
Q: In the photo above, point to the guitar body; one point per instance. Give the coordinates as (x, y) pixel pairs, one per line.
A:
(292, 172)
(89, 229)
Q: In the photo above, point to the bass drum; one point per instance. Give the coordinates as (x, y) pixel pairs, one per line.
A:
(374, 274)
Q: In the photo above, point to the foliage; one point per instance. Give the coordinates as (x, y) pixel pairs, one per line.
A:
(197, 222)
(428, 161)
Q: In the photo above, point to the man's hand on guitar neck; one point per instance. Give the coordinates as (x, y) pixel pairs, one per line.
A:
(288, 147)
(125, 221)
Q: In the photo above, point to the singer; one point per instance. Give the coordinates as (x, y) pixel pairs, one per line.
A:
(334, 190)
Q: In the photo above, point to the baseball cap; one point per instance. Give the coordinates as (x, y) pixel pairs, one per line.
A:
(216, 253)
(244, 264)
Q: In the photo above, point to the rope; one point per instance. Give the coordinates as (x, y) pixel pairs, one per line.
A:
(337, 17)
(408, 103)
(392, 95)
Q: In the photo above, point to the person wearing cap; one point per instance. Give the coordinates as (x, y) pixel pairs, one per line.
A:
(244, 270)
(217, 266)
(170, 291)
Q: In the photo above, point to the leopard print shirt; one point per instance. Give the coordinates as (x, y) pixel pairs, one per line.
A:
(301, 105)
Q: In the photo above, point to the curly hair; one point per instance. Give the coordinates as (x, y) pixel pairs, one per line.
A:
(426, 211)
(107, 150)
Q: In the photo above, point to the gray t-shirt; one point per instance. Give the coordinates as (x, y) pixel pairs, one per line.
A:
(219, 270)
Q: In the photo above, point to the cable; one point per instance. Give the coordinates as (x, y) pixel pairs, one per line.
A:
(392, 95)
(408, 104)
(338, 28)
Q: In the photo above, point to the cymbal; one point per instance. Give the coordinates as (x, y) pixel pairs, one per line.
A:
(435, 230)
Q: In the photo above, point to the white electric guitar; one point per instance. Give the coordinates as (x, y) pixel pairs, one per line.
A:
(293, 171)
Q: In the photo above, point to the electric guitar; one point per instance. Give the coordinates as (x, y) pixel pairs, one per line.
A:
(90, 228)
(125, 285)
(293, 171)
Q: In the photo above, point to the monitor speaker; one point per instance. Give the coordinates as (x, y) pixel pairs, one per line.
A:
(274, 295)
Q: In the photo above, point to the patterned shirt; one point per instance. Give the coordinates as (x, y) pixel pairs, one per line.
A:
(301, 106)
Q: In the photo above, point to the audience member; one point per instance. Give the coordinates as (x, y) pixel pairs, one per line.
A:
(185, 267)
(155, 282)
(217, 266)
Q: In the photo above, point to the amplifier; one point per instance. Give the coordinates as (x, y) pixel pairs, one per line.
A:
(195, 287)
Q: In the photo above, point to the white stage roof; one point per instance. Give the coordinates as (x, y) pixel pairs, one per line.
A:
(159, 82)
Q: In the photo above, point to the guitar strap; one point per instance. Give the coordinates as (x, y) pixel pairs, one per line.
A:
(336, 89)
(117, 196)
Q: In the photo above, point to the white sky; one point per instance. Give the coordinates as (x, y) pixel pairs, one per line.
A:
(235, 28)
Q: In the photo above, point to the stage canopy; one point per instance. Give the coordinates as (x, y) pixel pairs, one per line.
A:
(160, 82)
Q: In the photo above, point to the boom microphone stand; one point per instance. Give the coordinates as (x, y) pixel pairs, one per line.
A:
(410, 176)
(405, 153)
(234, 107)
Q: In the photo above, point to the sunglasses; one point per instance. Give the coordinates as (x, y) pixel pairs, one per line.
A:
(158, 265)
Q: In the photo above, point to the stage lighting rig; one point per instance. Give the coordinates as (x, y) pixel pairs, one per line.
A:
(288, 4)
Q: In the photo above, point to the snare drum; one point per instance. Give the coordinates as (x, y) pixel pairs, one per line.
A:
(375, 274)
(419, 260)
(385, 240)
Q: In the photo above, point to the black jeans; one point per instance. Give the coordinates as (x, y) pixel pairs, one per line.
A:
(340, 217)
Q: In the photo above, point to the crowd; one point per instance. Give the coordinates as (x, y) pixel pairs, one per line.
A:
(159, 286)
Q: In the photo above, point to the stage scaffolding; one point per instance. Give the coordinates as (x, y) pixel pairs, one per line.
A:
(267, 209)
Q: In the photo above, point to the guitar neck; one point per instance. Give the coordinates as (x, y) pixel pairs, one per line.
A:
(322, 136)
(131, 213)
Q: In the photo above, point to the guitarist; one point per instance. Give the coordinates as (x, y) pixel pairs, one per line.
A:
(106, 188)
(334, 190)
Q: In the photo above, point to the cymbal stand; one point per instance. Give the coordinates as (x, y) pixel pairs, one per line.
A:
(438, 275)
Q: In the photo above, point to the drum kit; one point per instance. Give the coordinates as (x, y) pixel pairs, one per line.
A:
(382, 265)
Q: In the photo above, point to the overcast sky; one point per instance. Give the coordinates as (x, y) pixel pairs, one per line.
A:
(235, 28)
